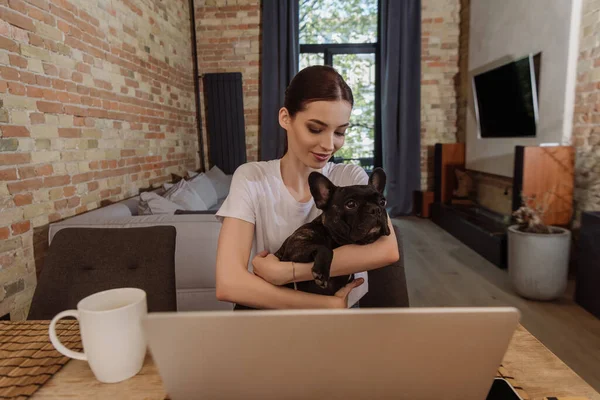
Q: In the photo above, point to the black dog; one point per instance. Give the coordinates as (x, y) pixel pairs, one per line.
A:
(351, 215)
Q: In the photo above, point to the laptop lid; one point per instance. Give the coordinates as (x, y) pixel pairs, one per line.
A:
(414, 353)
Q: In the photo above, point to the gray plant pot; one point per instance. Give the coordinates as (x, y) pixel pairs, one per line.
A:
(538, 264)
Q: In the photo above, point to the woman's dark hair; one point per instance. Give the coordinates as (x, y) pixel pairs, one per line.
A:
(315, 83)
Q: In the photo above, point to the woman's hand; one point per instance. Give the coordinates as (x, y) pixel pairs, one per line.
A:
(341, 296)
(268, 267)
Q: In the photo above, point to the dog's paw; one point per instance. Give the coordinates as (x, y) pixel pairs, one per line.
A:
(321, 279)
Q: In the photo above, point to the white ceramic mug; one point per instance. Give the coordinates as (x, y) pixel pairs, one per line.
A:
(111, 332)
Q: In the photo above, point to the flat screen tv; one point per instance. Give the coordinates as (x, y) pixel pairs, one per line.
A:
(506, 99)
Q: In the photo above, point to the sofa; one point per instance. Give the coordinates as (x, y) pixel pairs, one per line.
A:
(195, 255)
(196, 244)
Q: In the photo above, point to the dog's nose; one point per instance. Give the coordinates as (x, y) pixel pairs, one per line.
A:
(375, 210)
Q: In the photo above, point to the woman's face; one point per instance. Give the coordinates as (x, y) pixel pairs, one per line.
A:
(317, 132)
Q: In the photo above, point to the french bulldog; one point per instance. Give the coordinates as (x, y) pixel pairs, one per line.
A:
(351, 215)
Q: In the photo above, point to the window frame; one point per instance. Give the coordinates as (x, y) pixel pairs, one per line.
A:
(328, 50)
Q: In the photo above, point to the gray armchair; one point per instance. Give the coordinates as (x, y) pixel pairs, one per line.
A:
(387, 285)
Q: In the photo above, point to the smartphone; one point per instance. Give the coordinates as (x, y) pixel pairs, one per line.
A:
(502, 390)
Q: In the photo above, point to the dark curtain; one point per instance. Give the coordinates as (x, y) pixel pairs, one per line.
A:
(400, 41)
(279, 64)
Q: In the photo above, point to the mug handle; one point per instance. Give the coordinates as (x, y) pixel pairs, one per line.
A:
(56, 341)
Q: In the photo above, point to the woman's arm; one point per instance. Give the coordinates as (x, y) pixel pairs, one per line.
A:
(348, 259)
(237, 285)
(353, 258)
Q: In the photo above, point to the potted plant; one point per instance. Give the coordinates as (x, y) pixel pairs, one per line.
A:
(538, 255)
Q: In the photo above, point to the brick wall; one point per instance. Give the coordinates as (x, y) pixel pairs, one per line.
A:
(440, 78)
(586, 118)
(96, 102)
(229, 41)
(228, 38)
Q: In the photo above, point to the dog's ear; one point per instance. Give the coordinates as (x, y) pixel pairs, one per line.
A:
(321, 189)
(377, 179)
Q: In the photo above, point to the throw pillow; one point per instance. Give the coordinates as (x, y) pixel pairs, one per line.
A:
(191, 174)
(220, 181)
(152, 203)
(205, 189)
(184, 195)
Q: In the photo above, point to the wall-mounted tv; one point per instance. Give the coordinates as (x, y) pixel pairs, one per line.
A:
(506, 99)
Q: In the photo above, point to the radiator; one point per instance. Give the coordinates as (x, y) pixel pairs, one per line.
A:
(225, 120)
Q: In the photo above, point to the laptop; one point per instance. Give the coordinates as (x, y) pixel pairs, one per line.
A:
(391, 353)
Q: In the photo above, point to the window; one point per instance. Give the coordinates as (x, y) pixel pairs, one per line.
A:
(343, 34)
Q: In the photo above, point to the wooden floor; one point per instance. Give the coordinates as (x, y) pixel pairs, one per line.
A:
(441, 272)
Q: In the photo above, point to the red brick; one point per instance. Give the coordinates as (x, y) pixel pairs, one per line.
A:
(132, 83)
(50, 69)
(3, 87)
(73, 201)
(77, 77)
(93, 186)
(127, 153)
(72, 110)
(43, 81)
(87, 176)
(27, 172)
(58, 84)
(8, 174)
(36, 14)
(50, 95)
(36, 40)
(9, 73)
(20, 227)
(7, 44)
(83, 68)
(25, 186)
(18, 6)
(15, 158)
(43, 4)
(60, 204)
(69, 191)
(63, 97)
(17, 61)
(33, 91)
(27, 77)
(36, 118)
(63, 26)
(16, 88)
(4, 233)
(43, 170)
(54, 181)
(69, 132)
(47, 107)
(17, 19)
(54, 217)
(23, 199)
(14, 131)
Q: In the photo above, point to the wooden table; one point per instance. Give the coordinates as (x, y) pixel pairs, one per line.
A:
(532, 365)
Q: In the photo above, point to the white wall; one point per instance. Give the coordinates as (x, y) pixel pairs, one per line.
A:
(503, 30)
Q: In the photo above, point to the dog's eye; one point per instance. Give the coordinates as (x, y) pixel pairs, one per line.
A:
(350, 204)
(383, 202)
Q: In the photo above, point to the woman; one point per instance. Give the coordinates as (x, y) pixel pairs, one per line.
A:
(269, 200)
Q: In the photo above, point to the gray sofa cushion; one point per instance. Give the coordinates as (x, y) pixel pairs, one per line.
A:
(83, 261)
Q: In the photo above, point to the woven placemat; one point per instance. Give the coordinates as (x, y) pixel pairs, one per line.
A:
(28, 359)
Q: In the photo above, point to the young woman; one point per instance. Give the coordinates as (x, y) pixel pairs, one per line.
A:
(269, 200)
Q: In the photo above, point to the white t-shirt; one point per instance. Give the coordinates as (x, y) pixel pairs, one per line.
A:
(259, 196)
